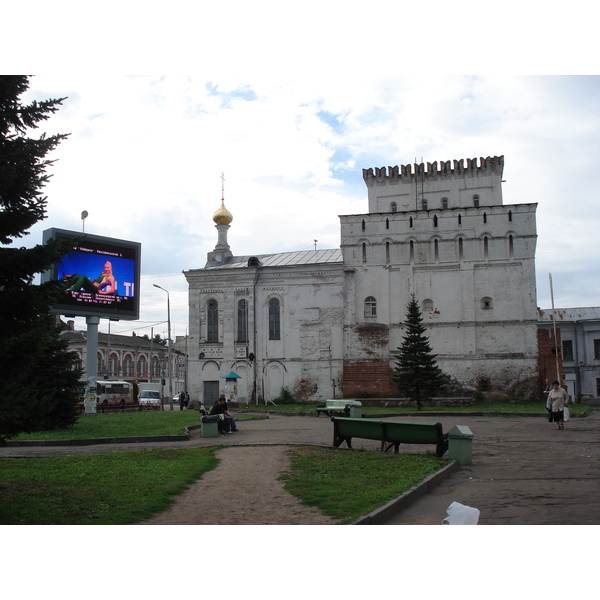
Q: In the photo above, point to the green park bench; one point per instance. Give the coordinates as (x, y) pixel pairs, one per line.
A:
(389, 433)
(346, 407)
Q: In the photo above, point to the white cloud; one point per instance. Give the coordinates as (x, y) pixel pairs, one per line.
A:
(146, 153)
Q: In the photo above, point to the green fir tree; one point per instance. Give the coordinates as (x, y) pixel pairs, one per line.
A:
(39, 378)
(416, 373)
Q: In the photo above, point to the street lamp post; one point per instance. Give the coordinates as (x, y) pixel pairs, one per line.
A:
(169, 349)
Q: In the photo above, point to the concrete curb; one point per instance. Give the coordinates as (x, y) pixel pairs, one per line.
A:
(383, 513)
(94, 441)
(144, 439)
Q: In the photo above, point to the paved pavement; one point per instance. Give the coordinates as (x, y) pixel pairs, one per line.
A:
(524, 471)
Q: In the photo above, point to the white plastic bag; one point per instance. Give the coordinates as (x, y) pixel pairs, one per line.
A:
(565, 414)
(459, 514)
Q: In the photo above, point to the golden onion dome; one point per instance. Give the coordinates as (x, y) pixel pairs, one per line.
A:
(222, 216)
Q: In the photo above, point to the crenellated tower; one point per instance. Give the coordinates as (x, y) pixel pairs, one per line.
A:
(425, 186)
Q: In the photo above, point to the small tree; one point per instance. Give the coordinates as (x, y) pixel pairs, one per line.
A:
(39, 379)
(416, 372)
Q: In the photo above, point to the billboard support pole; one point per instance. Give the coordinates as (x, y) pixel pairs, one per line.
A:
(91, 361)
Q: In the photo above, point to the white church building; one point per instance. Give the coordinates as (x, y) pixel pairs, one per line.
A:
(326, 323)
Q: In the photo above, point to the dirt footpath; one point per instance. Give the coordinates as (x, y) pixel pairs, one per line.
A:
(242, 490)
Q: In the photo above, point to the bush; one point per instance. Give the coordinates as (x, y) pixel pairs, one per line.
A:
(285, 396)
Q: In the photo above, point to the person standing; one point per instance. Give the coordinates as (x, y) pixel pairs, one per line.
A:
(181, 400)
(557, 400)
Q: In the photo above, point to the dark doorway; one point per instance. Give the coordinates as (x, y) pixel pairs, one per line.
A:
(211, 392)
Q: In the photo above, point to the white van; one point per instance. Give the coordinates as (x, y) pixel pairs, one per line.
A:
(149, 398)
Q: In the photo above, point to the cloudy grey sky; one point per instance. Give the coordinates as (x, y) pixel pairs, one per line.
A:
(292, 107)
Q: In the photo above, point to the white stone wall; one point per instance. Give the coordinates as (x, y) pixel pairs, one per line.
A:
(306, 358)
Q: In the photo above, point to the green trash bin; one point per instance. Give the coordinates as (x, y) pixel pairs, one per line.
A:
(460, 444)
(209, 429)
(355, 410)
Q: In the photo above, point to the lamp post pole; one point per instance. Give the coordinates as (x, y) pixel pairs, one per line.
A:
(169, 349)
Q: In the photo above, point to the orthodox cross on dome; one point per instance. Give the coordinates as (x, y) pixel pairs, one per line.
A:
(223, 185)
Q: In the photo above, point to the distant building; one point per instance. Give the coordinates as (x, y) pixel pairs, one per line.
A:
(326, 323)
(129, 358)
(578, 344)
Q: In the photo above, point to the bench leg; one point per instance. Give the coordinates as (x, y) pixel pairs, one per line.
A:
(396, 446)
(337, 441)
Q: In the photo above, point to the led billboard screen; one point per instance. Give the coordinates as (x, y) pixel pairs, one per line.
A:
(101, 276)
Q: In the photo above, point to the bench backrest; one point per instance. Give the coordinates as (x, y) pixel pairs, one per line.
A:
(364, 428)
(341, 404)
(390, 431)
(412, 433)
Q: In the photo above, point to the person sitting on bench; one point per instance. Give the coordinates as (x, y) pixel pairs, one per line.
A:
(227, 424)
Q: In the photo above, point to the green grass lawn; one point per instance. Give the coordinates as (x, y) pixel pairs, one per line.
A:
(482, 406)
(100, 489)
(112, 425)
(119, 488)
(348, 484)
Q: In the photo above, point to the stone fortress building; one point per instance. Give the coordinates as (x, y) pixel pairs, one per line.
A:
(326, 323)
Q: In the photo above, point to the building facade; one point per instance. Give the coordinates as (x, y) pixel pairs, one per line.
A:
(575, 332)
(128, 358)
(326, 323)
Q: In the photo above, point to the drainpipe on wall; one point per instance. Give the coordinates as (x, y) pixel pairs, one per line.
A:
(254, 345)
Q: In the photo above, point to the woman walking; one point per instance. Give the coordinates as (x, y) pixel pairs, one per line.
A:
(557, 400)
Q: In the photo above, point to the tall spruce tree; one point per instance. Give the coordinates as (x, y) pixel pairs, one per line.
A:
(416, 372)
(38, 377)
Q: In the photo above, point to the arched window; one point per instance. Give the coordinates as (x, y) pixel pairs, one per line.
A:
(387, 223)
(142, 364)
(485, 247)
(212, 321)
(274, 319)
(99, 364)
(444, 203)
(427, 304)
(485, 217)
(242, 321)
(459, 220)
(410, 221)
(128, 366)
(155, 367)
(393, 207)
(435, 221)
(364, 252)
(511, 247)
(113, 365)
(436, 251)
(363, 225)
(510, 215)
(424, 204)
(370, 306)
(476, 200)
(412, 251)
(460, 249)
(387, 252)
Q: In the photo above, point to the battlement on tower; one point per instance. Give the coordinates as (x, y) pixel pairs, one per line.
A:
(492, 165)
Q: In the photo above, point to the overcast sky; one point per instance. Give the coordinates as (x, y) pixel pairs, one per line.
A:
(146, 153)
(291, 104)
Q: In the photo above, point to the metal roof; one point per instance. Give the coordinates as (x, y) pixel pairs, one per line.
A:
(285, 259)
(569, 314)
